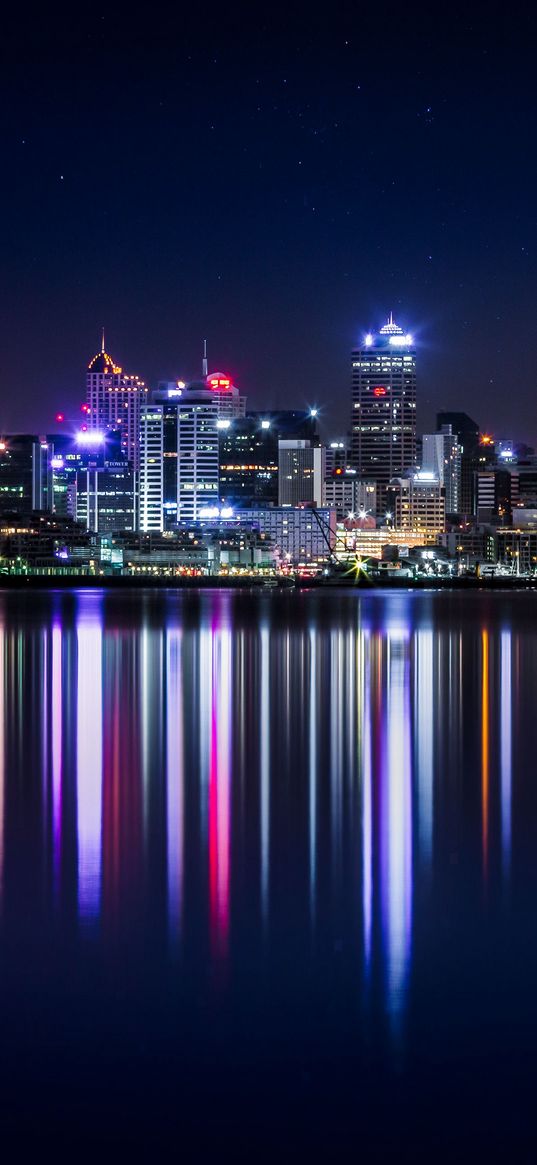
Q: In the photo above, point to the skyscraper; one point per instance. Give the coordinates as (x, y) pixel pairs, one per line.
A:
(114, 400)
(383, 420)
(179, 457)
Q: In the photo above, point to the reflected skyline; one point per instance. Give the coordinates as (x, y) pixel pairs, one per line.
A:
(172, 754)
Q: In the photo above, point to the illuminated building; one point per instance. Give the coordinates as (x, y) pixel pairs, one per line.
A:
(301, 471)
(441, 455)
(298, 535)
(383, 420)
(369, 543)
(230, 401)
(114, 400)
(417, 502)
(150, 481)
(179, 457)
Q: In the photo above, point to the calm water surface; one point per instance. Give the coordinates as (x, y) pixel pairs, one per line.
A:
(268, 873)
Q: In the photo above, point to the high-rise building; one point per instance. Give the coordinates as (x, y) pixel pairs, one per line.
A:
(301, 473)
(383, 420)
(179, 457)
(114, 400)
(467, 433)
(248, 462)
(441, 455)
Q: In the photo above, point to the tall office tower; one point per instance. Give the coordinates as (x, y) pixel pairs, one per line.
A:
(248, 462)
(301, 472)
(114, 400)
(383, 420)
(441, 455)
(179, 457)
(151, 475)
(467, 432)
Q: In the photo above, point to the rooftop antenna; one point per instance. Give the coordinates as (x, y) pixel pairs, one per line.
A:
(102, 342)
(204, 366)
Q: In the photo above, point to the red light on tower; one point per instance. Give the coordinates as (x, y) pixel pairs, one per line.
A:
(84, 408)
(379, 390)
(219, 381)
(59, 417)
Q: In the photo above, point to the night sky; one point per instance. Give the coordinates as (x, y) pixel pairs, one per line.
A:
(276, 180)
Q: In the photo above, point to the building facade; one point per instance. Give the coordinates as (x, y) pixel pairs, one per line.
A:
(441, 456)
(417, 503)
(301, 473)
(383, 415)
(114, 401)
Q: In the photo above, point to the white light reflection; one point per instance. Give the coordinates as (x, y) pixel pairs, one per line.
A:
(174, 781)
(506, 748)
(397, 825)
(424, 711)
(367, 797)
(265, 771)
(336, 738)
(313, 769)
(89, 760)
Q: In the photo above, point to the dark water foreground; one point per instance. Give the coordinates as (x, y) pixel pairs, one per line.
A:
(268, 875)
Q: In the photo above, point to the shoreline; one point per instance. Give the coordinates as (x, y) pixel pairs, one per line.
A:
(126, 582)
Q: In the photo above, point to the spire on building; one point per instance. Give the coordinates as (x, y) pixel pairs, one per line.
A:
(204, 365)
(102, 342)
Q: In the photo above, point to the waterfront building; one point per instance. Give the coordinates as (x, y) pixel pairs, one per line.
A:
(114, 401)
(383, 420)
(366, 542)
(441, 455)
(301, 473)
(299, 536)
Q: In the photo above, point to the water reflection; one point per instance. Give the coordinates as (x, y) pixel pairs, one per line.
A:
(215, 770)
(89, 755)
